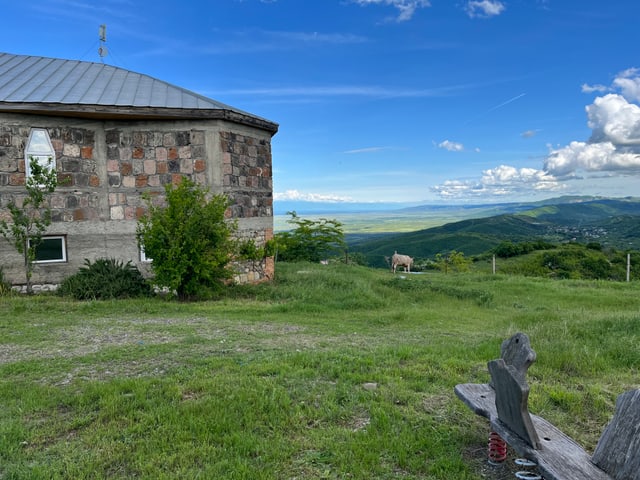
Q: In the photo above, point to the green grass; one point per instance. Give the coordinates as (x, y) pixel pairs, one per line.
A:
(331, 372)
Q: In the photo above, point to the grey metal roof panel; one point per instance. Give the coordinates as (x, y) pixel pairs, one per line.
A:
(27, 79)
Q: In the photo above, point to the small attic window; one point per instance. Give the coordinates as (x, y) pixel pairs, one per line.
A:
(39, 147)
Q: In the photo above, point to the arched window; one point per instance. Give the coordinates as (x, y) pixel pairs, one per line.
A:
(39, 147)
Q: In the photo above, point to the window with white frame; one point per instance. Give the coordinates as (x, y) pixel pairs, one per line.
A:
(143, 256)
(39, 147)
(52, 249)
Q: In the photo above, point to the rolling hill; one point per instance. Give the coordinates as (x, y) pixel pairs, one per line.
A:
(610, 222)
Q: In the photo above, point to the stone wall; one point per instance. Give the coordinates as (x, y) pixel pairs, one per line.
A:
(104, 168)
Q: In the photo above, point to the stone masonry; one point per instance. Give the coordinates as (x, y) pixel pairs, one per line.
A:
(105, 168)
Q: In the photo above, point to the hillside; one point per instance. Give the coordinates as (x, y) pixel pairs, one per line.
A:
(611, 222)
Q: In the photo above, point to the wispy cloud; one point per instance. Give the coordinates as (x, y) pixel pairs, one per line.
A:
(507, 102)
(350, 91)
(366, 150)
(484, 8)
(451, 146)
(406, 8)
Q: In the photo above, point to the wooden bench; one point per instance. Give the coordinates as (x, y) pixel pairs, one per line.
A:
(504, 402)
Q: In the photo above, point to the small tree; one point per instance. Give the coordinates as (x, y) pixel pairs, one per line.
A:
(30, 220)
(455, 261)
(189, 240)
(310, 240)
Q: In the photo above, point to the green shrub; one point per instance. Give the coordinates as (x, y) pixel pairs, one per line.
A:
(189, 240)
(105, 278)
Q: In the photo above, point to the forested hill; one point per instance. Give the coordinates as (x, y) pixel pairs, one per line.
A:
(610, 222)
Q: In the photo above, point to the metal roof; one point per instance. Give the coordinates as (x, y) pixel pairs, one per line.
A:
(73, 85)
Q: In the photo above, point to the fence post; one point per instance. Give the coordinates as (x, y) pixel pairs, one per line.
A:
(628, 267)
(493, 265)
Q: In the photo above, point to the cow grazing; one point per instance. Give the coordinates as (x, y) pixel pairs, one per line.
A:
(402, 261)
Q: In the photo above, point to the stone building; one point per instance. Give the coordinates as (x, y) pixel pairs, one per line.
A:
(114, 134)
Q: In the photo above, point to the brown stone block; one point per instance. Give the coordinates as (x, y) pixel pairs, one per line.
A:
(16, 179)
(78, 215)
(141, 181)
(140, 211)
(86, 152)
(126, 169)
(199, 165)
(161, 167)
(138, 152)
(172, 153)
(176, 178)
(94, 181)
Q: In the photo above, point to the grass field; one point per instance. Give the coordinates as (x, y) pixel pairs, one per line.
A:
(331, 372)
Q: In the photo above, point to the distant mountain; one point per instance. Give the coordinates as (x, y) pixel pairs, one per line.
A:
(611, 222)
(281, 207)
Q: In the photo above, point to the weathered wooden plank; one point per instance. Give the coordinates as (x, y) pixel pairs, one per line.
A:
(512, 397)
(517, 352)
(618, 450)
(558, 458)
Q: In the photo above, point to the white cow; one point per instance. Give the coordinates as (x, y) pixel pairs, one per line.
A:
(401, 260)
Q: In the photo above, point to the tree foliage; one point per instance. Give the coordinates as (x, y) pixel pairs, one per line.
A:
(189, 240)
(577, 261)
(310, 240)
(507, 248)
(30, 219)
(453, 262)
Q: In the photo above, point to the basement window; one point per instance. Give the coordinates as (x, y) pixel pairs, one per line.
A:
(52, 249)
(39, 147)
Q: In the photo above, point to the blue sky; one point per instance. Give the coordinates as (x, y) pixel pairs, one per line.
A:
(416, 101)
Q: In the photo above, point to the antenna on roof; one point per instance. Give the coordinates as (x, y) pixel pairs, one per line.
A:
(102, 50)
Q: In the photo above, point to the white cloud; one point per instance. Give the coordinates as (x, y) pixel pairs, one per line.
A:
(506, 176)
(628, 82)
(590, 157)
(451, 146)
(499, 182)
(594, 88)
(484, 8)
(406, 8)
(310, 197)
(529, 133)
(612, 118)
